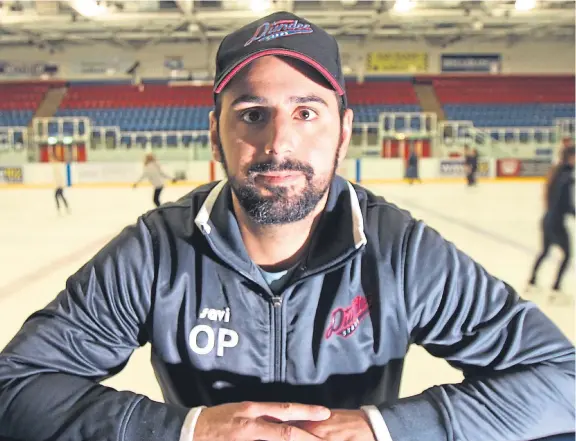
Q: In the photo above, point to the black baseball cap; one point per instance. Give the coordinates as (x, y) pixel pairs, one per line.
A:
(281, 34)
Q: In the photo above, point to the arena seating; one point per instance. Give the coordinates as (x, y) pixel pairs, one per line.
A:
(151, 108)
(138, 119)
(159, 107)
(371, 98)
(18, 103)
(128, 96)
(507, 101)
(513, 101)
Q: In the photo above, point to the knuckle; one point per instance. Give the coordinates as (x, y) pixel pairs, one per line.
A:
(243, 424)
(287, 432)
(246, 406)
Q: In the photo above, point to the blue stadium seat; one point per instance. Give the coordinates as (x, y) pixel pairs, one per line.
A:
(192, 118)
(369, 113)
(509, 115)
(15, 118)
(145, 119)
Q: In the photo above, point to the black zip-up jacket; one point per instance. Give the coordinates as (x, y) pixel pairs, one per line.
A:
(375, 281)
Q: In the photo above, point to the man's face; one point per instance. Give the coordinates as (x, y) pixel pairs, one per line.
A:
(279, 138)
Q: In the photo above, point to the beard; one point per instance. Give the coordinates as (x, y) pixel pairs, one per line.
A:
(279, 206)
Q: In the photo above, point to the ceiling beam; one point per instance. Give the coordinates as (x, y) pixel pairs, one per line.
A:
(186, 6)
(122, 37)
(208, 25)
(234, 16)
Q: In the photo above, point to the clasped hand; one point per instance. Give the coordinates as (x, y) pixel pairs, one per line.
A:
(250, 421)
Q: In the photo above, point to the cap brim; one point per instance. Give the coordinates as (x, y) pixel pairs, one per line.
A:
(281, 52)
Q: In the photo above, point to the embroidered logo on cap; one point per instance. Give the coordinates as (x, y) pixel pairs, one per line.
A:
(281, 28)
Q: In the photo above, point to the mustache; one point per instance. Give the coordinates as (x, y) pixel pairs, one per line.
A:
(286, 165)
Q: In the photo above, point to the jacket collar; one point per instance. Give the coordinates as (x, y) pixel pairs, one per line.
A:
(339, 234)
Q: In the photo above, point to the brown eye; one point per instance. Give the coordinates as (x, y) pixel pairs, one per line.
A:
(252, 116)
(307, 114)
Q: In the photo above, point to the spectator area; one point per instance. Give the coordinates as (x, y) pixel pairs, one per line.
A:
(507, 101)
(497, 101)
(18, 103)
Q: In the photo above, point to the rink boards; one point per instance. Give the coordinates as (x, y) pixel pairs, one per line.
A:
(366, 171)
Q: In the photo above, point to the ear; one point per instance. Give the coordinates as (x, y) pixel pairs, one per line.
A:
(214, 137)
(346, 134)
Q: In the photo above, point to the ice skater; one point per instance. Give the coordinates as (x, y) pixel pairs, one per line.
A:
(412, 169)
(559, 200)
(155, 175)
(470, 165)
(59, 183)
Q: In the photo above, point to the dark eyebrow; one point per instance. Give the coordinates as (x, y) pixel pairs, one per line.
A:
(308, 99)
(253, 99)
(246, 98)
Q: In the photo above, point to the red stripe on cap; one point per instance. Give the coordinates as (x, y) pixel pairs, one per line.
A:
(313, 63)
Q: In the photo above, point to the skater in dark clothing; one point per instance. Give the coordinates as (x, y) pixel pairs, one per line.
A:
(559, 200)
(59, 183)
(471, 165)
(412, 168)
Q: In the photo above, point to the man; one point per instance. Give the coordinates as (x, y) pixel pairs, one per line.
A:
(470, 165)
(284, 299)
(559, 203)
(412, 169)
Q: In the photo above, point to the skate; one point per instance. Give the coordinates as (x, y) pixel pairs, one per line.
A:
(532, 289)
(558, 297)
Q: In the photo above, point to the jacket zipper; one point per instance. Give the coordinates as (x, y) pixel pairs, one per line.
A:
(277, 308)
(277, 317)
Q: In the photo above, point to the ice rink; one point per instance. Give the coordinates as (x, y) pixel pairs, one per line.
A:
(495, 223)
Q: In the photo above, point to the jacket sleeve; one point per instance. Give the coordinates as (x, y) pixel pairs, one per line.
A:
(518, 366)
(49, 372)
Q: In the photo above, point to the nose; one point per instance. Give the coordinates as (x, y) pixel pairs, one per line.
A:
(280, 136)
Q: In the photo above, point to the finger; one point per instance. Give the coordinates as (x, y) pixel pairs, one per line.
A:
(288, 411)
(308, 426)
(261, 429)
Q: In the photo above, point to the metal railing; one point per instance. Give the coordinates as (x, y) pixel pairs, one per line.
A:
(368, 138)
(566, 128)
(13, 138)
(53, 130)
(502, 141)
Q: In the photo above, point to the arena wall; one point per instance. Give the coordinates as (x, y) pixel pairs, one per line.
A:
(104, 61)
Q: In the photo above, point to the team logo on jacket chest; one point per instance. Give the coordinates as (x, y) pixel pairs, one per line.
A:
(344, 321)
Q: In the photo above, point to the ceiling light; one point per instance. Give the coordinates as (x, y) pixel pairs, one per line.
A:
(525, 5)
(88, 8)
(259, 5)
(478, 25)
(403, 5)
